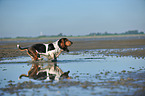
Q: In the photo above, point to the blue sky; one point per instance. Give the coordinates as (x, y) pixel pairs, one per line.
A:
(70, 17)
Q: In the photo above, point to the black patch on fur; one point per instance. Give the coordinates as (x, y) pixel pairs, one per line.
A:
(50, 47)
(51, 76)
(38, 55)
(41, 76)
(40, 48)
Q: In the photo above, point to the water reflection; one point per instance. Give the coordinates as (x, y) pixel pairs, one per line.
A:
(50, 72)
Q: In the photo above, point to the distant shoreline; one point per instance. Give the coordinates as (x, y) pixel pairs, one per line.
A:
(70, 37)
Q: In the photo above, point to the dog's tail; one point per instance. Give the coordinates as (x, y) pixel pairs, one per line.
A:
(22, 49)
(23, 75)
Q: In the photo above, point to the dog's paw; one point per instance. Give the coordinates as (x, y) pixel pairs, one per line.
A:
(40, 58)
(55, 60)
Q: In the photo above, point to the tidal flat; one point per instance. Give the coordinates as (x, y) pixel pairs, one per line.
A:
(92, 72)
(102, 66)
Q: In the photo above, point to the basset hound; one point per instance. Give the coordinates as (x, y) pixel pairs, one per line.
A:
(51, 50)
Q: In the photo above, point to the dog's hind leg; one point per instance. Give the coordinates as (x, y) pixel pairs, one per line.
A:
(30, 55)
(32, 52)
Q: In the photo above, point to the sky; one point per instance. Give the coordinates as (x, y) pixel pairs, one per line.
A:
(29, 18)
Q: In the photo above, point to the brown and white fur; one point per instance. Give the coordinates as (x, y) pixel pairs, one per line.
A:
(51, 50)
(50, 72)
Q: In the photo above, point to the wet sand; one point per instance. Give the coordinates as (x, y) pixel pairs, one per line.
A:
(8, 49)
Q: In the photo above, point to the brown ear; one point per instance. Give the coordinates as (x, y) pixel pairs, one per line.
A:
(62, 43)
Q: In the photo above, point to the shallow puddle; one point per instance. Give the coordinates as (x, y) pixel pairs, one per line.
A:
(91, 73)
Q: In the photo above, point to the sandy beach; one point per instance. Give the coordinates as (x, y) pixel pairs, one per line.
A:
(8, 46)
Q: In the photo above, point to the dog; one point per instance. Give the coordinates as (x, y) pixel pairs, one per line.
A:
(51, 50)
(50, 72)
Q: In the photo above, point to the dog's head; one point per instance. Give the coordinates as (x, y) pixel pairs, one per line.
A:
(65, 75)
(64, 43)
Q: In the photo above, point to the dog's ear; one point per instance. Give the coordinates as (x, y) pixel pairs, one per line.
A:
(61, 43)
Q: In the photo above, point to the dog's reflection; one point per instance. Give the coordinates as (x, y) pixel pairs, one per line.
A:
(50, 72)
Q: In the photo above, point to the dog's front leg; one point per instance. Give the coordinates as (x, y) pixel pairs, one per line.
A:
(53, 56)
(59, 53)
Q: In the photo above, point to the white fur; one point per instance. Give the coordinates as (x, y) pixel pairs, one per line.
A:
(18, 45)
(51, 70)
(53, 53)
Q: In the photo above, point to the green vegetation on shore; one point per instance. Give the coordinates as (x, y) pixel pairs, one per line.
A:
(130, 32)
(127, 33)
